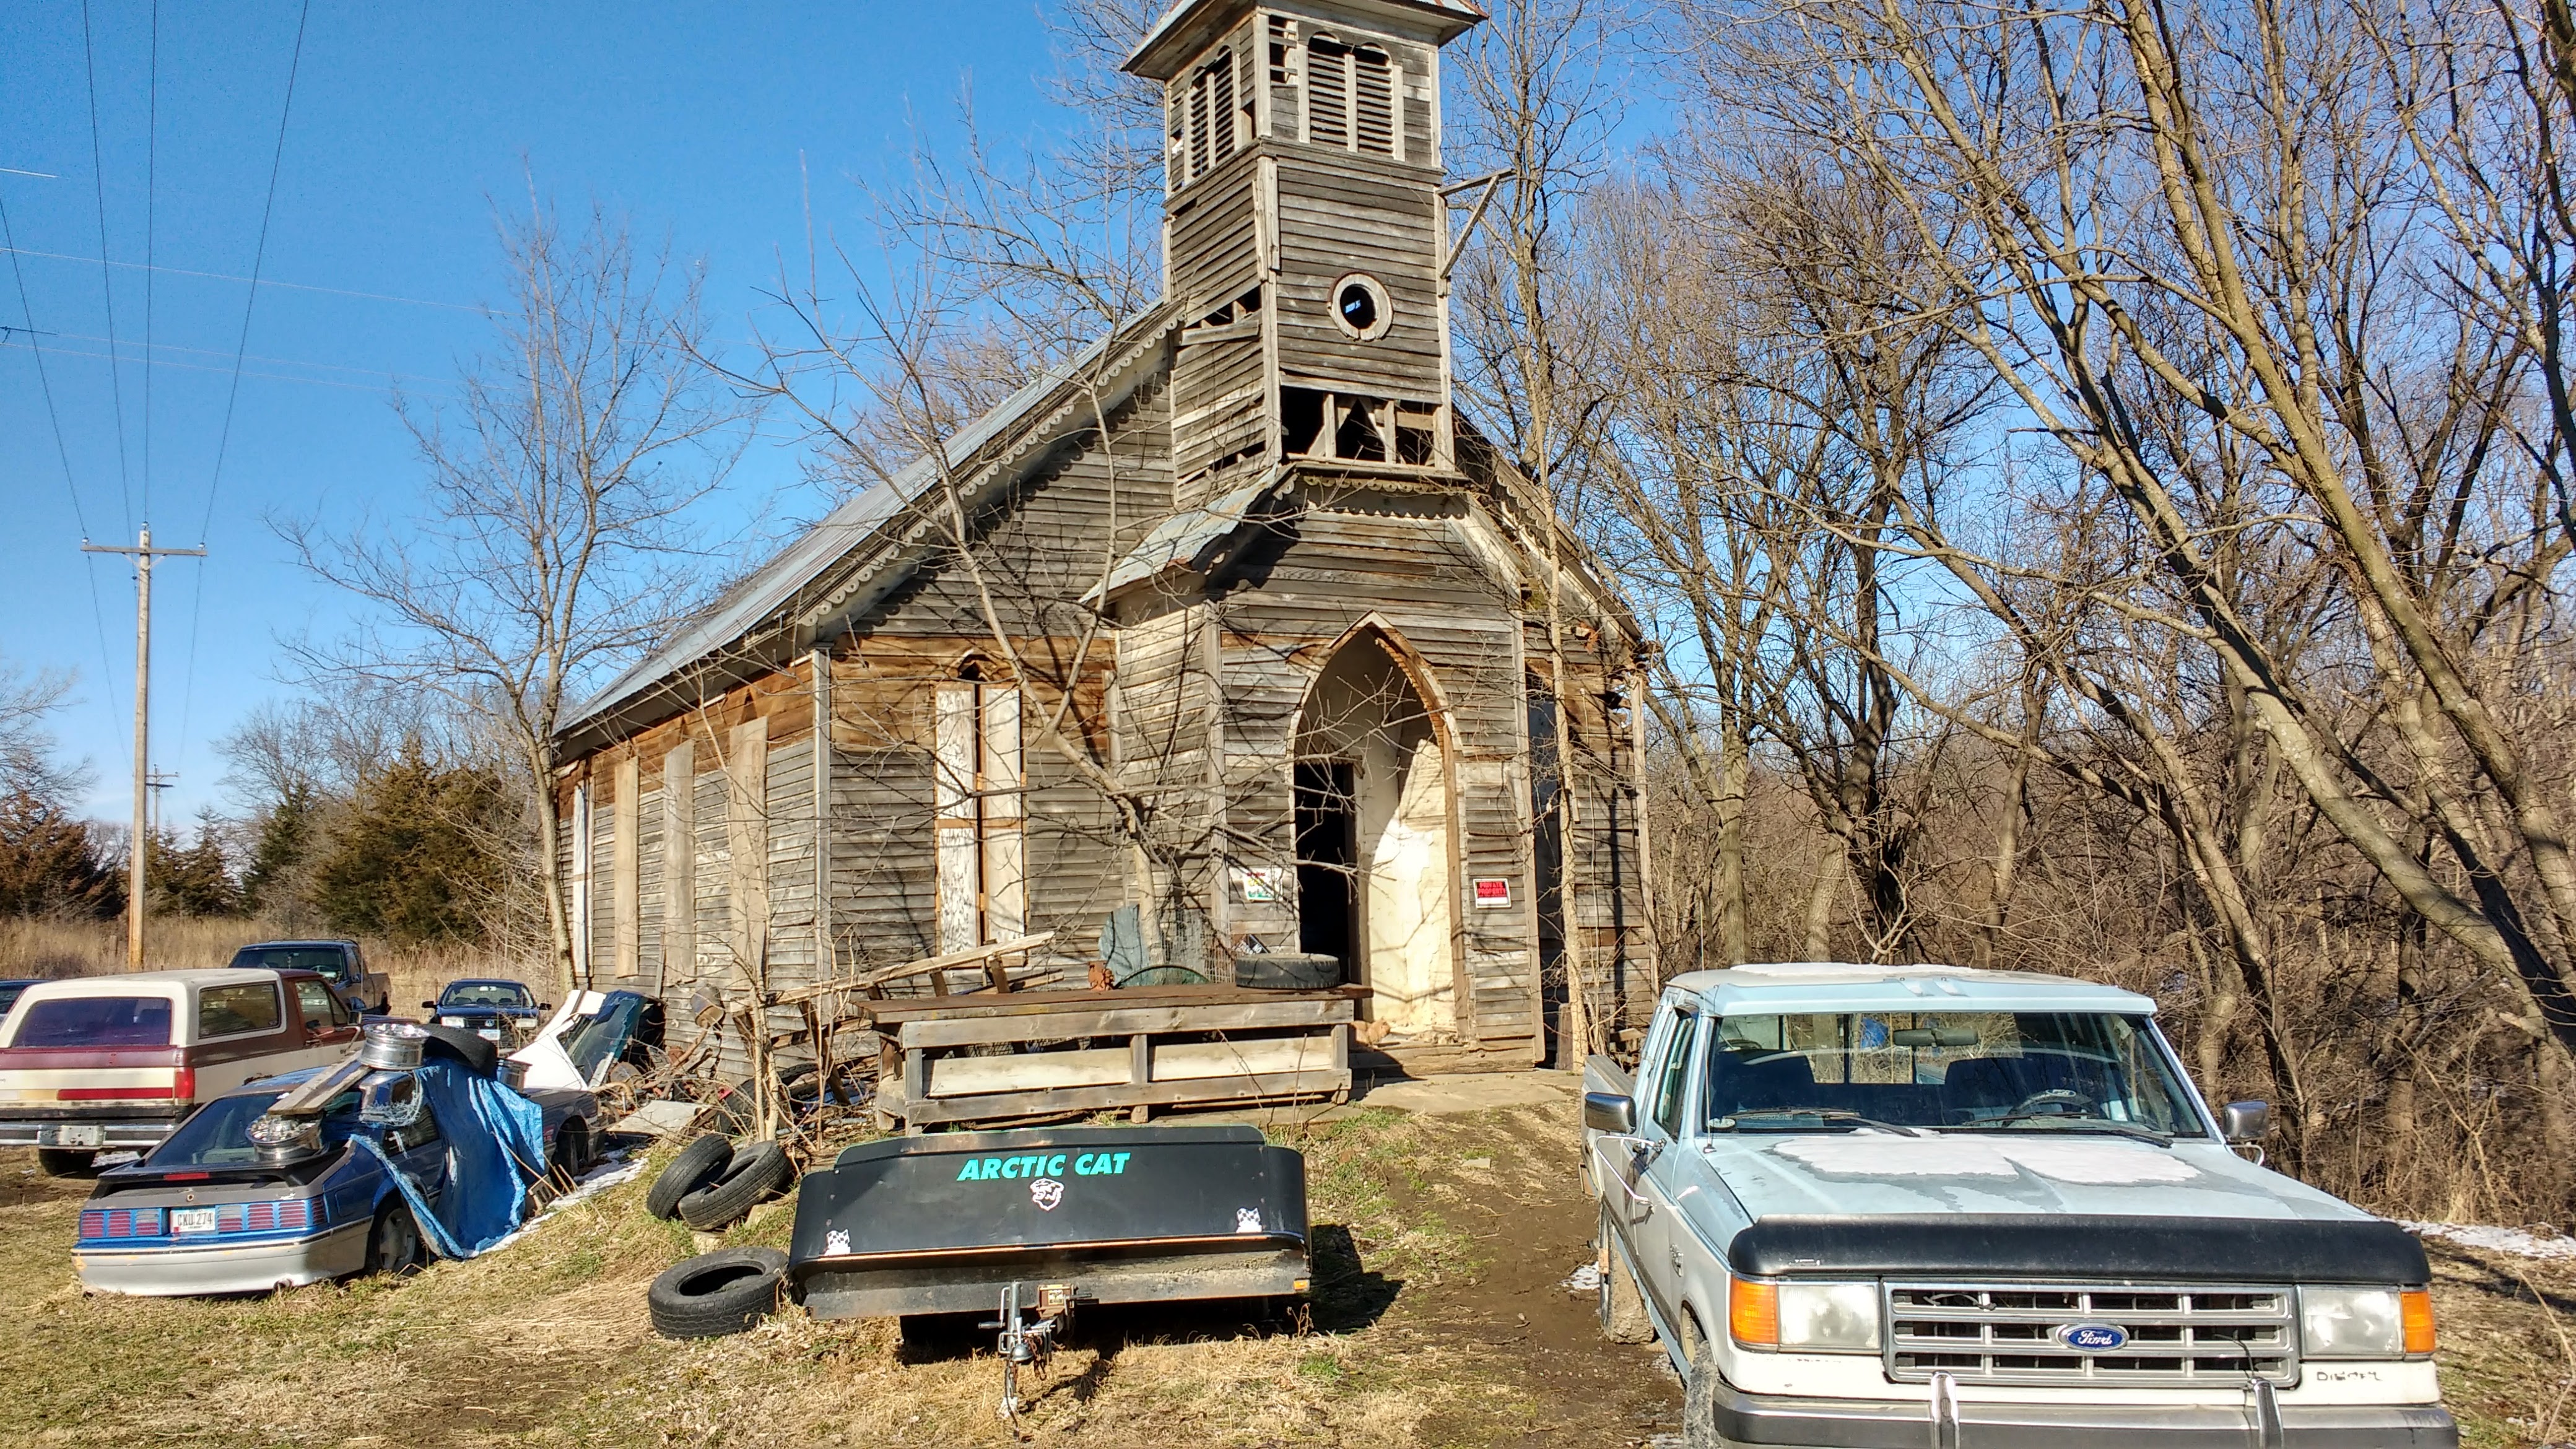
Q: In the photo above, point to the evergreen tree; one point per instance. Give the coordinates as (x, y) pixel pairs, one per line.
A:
(51, 864)
(285, 843)
(195, 881)
(411, 860)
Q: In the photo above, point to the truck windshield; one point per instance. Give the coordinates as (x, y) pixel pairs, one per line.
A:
(331, 961)
(1959, 1071)
(219, 1135)
(96, 1021)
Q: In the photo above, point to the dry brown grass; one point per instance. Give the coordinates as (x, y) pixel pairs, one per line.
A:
(97, 948)
(547, 1343)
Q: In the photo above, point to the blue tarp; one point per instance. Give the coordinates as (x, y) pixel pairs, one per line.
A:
(489, 1131)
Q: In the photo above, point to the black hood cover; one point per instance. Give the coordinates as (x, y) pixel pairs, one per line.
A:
(977, 1194)
(2072, 1247)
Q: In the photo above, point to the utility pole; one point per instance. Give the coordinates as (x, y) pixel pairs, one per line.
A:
(144, 553)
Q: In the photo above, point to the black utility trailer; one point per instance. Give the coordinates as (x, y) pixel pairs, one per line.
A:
(950, 1222)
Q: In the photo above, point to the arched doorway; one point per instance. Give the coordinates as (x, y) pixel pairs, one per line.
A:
(1374, 882)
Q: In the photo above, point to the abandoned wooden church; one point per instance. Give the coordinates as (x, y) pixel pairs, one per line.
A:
(1232, 620)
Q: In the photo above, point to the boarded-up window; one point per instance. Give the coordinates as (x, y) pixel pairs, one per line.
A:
(983, 889)
(580, 905)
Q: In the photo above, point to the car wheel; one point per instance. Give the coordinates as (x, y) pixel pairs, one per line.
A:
(699, 1163)
(1699, 1398)
(65, 1161)
(394, 1245)
(572, 1150)
(757, 1170)
(716, 1293)
(1621, 1306)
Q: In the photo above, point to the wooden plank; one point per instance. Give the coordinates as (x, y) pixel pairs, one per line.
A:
(927, 966)
(747, 841)
(1026, 1072)
(1068, 1024)
(1034, 1003)
(926, 1111)
(626, 828)
(1202, 1060)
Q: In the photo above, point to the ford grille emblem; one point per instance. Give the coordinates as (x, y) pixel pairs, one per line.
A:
(2093, 1337)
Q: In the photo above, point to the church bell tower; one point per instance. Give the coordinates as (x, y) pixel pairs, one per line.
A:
(1305, 236)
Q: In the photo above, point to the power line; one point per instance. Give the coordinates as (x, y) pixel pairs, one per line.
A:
(107, 284)
(223, 441)
(392, 379)
(151, 214)
(266, 282)
(258, 256)
(45, 384)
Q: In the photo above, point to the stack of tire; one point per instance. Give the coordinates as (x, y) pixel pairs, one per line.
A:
(711, 1185)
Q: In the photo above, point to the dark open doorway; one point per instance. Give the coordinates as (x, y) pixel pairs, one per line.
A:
(1327, 857)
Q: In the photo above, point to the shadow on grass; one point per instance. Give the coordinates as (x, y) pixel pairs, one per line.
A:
(1345, 1296)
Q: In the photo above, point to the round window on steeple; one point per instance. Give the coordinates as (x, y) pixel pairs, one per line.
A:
(1360, 307)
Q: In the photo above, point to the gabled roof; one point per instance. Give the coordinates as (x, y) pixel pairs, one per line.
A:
(775, 589)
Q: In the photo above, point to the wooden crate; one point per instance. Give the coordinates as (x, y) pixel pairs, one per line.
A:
(1269, 1046)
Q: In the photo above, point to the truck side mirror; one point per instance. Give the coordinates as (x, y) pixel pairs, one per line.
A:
(2245, 1121)
(1610, 1112)
(429, 1006)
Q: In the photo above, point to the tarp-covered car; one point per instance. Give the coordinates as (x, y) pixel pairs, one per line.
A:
(387, 1169)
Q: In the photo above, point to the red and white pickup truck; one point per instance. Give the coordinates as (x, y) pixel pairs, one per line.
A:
(106, 1063)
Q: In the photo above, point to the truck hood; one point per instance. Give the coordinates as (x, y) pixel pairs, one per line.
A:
(1868, 1173)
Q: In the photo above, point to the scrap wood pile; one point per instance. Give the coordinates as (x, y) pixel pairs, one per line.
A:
(796, 1066)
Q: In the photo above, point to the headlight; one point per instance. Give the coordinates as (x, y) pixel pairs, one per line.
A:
(1813, 1317)
(2365, 1322)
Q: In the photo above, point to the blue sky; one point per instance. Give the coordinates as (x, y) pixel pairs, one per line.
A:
(409, 123)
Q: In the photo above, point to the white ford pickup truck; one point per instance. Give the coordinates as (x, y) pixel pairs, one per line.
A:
(1890, 1207)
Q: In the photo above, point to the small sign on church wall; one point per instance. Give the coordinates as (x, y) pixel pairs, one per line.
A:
(1493, 890)
(1257, 885)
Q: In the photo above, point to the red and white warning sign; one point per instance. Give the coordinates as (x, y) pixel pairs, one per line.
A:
(1493, 890)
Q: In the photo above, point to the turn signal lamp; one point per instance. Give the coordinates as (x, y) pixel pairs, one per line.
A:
(2415, 1310)
(1753, 1313)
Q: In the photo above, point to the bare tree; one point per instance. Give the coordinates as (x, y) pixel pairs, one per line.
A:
(557, 531)
(27, 761)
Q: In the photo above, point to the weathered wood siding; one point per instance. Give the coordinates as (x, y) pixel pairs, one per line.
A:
(1358, 214)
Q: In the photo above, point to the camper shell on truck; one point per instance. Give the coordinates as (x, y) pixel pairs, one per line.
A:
(111, 1063)
(1867, 1205)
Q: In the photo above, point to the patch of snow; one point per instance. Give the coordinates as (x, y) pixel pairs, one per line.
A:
(1585, 1280)
(2512, 1242)
(1873, 1154)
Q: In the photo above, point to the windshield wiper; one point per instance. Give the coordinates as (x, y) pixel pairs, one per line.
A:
(2072, 1123)
(1831, 1114)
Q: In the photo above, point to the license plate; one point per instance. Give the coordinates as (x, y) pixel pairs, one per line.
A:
(451, 1021)
(192, 1220)
(72, 1134)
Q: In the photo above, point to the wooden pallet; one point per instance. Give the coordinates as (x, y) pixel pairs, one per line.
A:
(1095, 1051)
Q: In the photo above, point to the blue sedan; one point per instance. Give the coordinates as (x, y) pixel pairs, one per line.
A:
(238, 1200)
